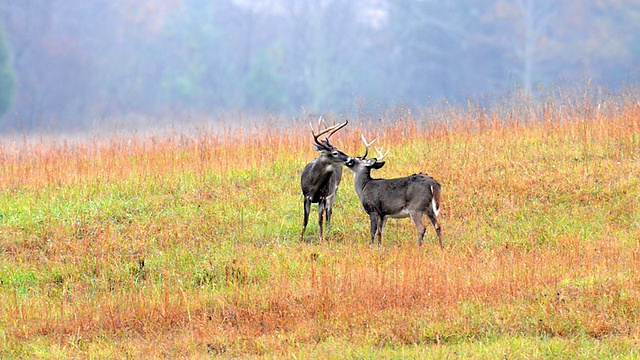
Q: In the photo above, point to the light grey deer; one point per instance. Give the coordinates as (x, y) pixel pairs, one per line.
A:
(321, 177)
(410, 196)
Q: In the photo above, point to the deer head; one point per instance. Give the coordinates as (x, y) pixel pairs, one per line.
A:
(375, 163)
(324, 147)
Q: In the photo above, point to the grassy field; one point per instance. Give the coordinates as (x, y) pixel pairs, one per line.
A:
(187, 244)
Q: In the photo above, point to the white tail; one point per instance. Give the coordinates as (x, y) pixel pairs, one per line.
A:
(434, 205)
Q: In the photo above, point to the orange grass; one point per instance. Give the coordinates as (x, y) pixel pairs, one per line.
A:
(187, 244)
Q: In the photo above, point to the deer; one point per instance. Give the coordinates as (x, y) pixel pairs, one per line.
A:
(411, 196)
(321, 177)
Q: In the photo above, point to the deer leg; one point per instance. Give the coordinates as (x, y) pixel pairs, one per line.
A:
(436, 225)
(416, 217)
(383, 222)
(321, 206)
(329, 211)
(307, 210)
(374, 226)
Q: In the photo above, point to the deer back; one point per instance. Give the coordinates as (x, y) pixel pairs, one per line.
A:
(395, 196)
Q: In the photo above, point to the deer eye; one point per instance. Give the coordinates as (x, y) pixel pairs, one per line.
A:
(335, 154)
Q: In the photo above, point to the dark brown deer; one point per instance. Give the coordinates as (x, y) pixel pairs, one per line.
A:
(410, 196)
(321, 177)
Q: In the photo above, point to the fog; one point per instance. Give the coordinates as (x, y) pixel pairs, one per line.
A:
(84, 64)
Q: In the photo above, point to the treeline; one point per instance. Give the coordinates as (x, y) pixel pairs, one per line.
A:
(78, 63)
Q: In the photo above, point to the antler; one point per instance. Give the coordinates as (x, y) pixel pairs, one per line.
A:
(366, 146)
(331, 129)
(338, 128)
(380, 154)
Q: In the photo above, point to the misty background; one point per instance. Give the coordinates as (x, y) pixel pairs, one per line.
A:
(77, 64)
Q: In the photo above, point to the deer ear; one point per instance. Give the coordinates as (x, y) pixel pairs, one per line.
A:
(378, 164)
(320, 149)
(373, 163)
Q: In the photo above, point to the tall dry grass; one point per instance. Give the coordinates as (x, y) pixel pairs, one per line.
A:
(187, 243)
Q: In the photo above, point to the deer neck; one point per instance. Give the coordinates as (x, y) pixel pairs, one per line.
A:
(360, 181)
(326, 164)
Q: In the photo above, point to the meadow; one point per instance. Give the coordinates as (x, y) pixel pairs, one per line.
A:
(187, 244)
